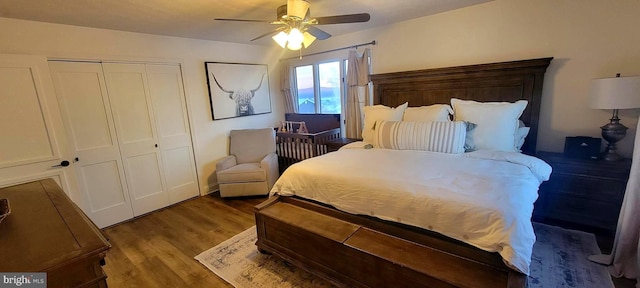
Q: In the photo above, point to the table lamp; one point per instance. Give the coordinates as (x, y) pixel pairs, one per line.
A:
(614, 93)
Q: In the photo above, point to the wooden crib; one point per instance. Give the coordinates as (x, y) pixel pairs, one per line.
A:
(293, 147)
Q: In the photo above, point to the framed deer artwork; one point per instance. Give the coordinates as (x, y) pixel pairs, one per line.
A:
(238, 89)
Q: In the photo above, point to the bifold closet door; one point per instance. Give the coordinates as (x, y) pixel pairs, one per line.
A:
(134, 120)
(129, 132)
(167, 95)
(85, 109)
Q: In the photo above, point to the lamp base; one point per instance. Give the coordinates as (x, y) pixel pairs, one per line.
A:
(613, 132)
(610, 155)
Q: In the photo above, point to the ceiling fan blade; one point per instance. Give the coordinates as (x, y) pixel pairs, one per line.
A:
(243, 20)
(339, 19)
(316, 32)
(269, 33)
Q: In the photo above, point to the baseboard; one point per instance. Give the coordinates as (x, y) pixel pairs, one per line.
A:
(210, 189)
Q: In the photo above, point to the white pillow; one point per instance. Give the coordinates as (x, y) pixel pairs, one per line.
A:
(437, 136)
(496, 122)
(435, 112)
(377, 113)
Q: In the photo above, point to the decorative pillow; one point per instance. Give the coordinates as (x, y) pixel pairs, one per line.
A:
(436, 136)
(521, 135)
(435, 112)
(497, 122)
(377, 113)
(468, 140)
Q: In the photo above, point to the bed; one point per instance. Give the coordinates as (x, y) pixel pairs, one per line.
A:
(360, 249)
(293, 147)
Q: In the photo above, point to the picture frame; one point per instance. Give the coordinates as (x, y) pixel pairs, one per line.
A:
(238, 89)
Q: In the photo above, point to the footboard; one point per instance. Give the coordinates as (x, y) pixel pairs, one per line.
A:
(295, 147)
(358, 251)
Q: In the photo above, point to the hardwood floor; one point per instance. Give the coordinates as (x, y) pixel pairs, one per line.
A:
(157, 249)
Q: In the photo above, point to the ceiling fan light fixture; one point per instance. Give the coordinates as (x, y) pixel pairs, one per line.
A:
(307, 39)
(297, 29)
(297, 8)
(295, 39)
(294, 46)
(281, 38)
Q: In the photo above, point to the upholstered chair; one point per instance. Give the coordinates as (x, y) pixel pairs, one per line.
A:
(252, 166)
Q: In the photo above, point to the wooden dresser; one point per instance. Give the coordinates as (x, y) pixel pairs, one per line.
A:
(582, 194)
(46, 232)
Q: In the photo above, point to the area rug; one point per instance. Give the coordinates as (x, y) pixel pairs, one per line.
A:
(559, 260)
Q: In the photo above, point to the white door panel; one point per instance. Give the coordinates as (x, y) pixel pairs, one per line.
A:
(108, 200)
(84, 104)
(167, 93)
(24, 174)
(130, 103)
(180, 169)
(181, 180)
(137, 136)
(31, 132)
(81, 88)
(28, 142)
(165, 83)
(98, 177)
(145, 176)
(145, 183)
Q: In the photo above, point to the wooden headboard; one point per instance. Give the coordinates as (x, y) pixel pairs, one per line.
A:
(504, 81)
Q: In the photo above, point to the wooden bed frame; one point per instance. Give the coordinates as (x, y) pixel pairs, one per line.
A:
(360, 251)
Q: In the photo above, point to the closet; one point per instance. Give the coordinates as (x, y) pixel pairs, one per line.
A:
(127, 127)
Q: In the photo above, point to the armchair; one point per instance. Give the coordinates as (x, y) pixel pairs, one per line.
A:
(252, 166)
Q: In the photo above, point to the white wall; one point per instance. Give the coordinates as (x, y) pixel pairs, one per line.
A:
(588, 39)
(210, 137)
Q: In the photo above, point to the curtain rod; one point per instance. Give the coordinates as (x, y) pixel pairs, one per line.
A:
(332, 50)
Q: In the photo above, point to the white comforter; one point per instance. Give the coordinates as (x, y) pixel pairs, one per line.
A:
(484, 198)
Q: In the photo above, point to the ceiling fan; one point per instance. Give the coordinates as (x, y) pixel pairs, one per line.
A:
(298, 27)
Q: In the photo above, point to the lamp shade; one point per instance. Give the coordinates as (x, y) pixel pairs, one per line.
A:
(281, 38)
(615, 93)
(295, 39)
(307, 39)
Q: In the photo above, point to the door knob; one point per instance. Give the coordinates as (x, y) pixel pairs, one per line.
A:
(64, 163)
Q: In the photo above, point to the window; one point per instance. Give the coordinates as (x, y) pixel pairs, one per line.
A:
(306, 89)
(329, 76)
(320, 87)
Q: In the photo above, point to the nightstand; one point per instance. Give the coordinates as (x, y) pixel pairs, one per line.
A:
(582, 194)
(335, 144)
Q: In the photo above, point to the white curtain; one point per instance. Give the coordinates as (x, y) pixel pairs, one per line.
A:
(624, 257)
(358, 71)
(288, 91)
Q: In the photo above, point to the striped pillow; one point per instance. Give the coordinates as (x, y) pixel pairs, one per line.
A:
(436, 136)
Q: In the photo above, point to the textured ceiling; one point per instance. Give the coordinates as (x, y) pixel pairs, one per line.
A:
(195, 18)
